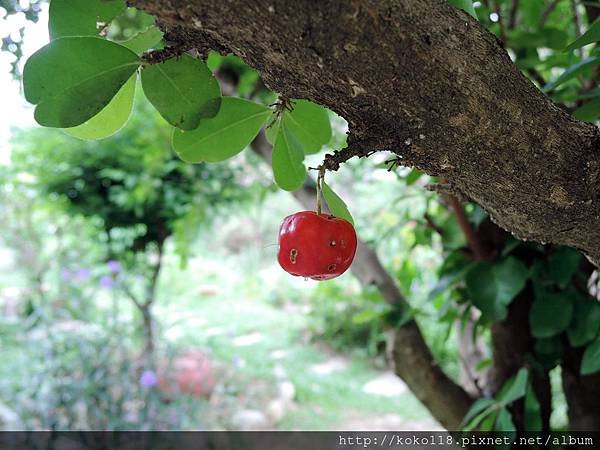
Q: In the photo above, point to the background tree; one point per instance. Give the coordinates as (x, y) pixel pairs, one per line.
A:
(137, 189)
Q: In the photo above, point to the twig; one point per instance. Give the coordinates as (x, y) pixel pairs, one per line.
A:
(333, 160)
(512, 21)
(320, 179)
(592, 11)
(536, 76)
(473, 240)
(162, 55)
(546, 13)
(432, 224)
(577, 24)
(132, 297)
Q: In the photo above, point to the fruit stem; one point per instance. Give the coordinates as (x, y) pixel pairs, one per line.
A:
(320, 180)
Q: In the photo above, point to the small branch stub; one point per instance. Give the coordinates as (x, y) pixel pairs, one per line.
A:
(162, 55)
(320, 179)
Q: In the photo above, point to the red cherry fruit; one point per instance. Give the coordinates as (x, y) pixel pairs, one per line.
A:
(317, 246)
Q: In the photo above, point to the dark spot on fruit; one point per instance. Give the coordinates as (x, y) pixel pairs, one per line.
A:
(331, 267)
(330, 217)
(332, 244)
(293, 255)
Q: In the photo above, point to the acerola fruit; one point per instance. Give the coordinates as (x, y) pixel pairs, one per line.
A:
(317, 246)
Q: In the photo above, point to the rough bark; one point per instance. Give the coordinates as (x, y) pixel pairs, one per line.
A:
(412, 359)
(427, 82)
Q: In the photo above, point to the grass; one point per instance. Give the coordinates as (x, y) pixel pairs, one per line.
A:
(322, 401)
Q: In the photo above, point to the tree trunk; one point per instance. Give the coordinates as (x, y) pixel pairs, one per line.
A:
(146, 307)
(582, 392)
(511, 343)
(148, 329)
(426, 81)
(414, 363)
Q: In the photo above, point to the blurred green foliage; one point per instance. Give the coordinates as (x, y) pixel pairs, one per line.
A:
(132, 182)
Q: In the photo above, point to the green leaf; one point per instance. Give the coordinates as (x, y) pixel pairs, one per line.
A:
(272, 130)
(310, 124)
(548, 351)
(183, 90)
(550, 37)
(571, 72)
(144, 40)
(550, 313)
(406, 274)
(214, 60)
(487, 424)
(591, 35)
(514, 388)
(493, 286)
(510, 246)
(225, 135)
(591, 358)
(452, 235)
(482, 420)
(288, 160)
(366, 316)
(80, 17)
(413, 176)
(562, 265)
(476, 408)
(504, 421)
(586, 321)
(533, 416)
(73, 78)
(336, 205)
(588, 112)
(484, 364)
(112, 118)
(453, 270)
(465, 5)
(589, 94)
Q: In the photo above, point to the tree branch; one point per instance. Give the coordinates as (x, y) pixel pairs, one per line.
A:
(426, 81)
(546, 13)
(512, 22)
(577, 24)
(475, 244)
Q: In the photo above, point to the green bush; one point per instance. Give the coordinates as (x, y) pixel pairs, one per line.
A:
(342, 318)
